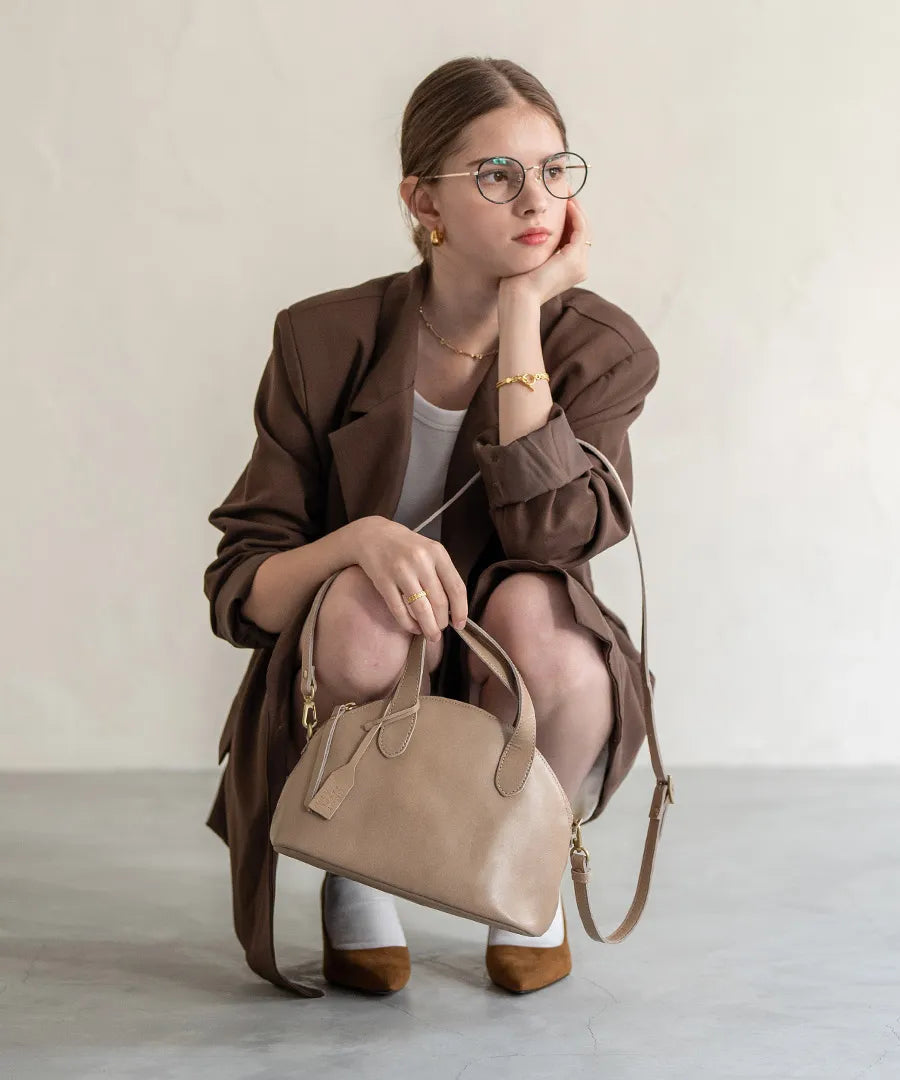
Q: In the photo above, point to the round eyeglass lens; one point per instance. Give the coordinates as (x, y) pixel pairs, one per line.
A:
(565, 174)
(500, 179)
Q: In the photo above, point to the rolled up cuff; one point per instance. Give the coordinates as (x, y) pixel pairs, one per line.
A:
(542, 460)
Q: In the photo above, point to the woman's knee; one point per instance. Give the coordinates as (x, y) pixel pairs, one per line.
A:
(359, 646)
(530, 615)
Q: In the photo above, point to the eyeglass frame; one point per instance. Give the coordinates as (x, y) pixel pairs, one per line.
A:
(506, 157)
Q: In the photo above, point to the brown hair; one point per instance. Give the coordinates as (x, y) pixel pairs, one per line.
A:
(448, 99)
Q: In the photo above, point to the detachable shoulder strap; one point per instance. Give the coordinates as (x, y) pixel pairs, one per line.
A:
(663, 792)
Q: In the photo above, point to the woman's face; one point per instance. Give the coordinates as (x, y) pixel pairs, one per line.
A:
(480, 235)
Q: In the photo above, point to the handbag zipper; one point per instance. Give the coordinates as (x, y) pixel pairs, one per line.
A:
(336, 713)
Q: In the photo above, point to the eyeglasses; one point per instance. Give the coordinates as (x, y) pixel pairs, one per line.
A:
(500, 179)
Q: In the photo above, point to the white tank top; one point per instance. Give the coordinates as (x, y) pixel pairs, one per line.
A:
(434, 432)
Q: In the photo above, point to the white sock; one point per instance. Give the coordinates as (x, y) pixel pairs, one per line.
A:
(553, 935)
(358, 916)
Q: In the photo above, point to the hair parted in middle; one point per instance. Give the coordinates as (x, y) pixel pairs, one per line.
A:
(445, 102)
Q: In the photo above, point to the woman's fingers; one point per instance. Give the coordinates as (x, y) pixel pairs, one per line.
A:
(410, 566)
(454, 588)
(430, 611)
(398, 607)
(416, 617)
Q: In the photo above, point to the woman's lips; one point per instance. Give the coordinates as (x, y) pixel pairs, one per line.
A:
(533, 238)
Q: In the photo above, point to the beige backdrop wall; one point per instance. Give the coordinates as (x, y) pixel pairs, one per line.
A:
(170, 181)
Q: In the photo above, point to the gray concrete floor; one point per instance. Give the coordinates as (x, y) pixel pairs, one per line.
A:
(769, 948)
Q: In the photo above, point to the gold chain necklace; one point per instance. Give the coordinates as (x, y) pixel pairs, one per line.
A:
(443, 341)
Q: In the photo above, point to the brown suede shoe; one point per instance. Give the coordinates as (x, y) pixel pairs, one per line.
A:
(522, 968)
(377, 971)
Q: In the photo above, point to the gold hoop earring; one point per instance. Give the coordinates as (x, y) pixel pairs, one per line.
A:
(437, 237)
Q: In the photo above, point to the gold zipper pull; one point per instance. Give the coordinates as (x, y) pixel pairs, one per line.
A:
(338, 709)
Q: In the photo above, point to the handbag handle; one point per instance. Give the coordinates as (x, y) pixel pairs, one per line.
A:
(514, 763)
(663, 791)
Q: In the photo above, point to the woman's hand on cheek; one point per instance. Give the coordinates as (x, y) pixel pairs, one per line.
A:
(565, 267)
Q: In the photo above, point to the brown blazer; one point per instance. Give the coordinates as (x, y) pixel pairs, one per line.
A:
(333, 416)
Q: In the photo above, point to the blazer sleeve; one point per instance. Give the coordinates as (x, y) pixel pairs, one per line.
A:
(276, 502)
(548, 498)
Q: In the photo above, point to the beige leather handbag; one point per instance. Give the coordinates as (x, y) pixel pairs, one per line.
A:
(438, 801)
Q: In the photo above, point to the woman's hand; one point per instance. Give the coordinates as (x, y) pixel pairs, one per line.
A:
(400, 562)
(565, 267)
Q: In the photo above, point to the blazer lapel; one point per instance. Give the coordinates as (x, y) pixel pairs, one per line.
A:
(371, 449)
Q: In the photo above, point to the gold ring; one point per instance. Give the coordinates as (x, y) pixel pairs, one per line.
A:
(416, 595)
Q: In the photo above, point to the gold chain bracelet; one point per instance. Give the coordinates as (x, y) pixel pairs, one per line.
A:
(527, 378)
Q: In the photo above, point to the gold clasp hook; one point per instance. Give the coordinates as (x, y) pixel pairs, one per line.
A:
(309, 706)
(577, 845)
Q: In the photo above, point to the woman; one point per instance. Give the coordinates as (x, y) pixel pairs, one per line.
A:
(378, 402)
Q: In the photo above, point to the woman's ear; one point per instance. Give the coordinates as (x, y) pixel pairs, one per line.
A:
(421, 205)
(405, 188)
